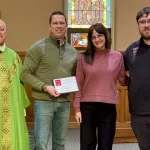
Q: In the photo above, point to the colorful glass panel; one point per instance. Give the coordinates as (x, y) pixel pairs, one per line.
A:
(83, 13)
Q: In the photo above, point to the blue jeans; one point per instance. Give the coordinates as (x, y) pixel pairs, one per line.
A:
(49, 114)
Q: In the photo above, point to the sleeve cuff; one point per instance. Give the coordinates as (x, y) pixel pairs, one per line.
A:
(77, 109)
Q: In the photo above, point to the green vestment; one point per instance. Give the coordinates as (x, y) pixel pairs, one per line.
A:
(13, 100)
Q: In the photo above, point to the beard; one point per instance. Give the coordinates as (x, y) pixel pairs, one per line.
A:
(145, 36)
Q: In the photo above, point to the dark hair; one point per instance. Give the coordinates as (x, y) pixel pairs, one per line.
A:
(57, 13)
(101, 29)
(145, 10)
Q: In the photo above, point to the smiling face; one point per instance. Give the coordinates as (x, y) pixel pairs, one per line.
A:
(144, 26)
(98, 40)
(58, 26)
(2, 32)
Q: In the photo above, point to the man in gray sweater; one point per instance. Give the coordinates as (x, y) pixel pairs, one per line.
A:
(48, 59)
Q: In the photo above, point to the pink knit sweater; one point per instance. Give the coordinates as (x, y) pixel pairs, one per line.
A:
(97, 81)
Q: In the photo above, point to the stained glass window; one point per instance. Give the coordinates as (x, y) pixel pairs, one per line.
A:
(83, 13)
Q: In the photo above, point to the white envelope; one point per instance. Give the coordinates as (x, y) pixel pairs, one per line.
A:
(66, 85)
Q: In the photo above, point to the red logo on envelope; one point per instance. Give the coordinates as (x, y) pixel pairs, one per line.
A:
(58, 82)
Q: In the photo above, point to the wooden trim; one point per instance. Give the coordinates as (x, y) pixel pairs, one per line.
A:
(124, 132)
(21, 54)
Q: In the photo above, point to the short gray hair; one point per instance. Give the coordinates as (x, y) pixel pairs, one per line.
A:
(3, 24)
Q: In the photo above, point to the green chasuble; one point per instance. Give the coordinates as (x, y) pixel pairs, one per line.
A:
(13, 100)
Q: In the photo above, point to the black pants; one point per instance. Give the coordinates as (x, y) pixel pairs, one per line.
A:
(100, 116)
(141, 129)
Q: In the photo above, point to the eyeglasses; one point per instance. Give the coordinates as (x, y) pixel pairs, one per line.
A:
(143, 22)
(96, 37)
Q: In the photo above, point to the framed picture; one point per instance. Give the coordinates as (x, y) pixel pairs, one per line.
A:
(77, 37)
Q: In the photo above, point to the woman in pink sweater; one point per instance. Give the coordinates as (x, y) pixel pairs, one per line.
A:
(98, 70)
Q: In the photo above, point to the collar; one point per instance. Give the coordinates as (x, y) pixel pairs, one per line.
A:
(143, 44)
(54, 40)
(2, 48)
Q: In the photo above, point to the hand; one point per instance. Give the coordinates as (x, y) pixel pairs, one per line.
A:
(78, 117)
(52, 91)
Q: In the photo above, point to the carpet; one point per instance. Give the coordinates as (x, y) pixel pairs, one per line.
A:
(73, 139)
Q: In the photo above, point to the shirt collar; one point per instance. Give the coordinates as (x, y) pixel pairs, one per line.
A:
(2, 48)
(143, 44)
(55, 40)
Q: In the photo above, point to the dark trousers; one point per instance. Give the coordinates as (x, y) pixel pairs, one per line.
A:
(100, 116)
(141, 128)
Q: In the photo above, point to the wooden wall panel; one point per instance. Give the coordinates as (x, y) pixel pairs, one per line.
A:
(123, 129)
